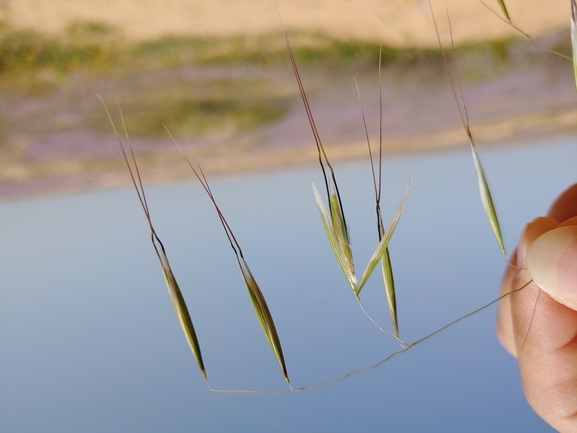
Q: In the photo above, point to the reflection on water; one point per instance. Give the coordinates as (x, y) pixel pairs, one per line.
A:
(90, 342)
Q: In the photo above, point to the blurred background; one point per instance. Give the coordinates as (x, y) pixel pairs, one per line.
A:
(88, 337)
(217, 73)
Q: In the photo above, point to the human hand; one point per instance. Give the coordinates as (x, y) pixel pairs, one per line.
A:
(538, 325)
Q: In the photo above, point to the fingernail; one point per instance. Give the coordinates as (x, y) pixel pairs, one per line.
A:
(552, 263)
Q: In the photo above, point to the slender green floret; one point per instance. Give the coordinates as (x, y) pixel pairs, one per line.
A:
(179, 304)
(263, 314)
(504, 9)
(176, 297)
(336, 244)
(340, 229)
(484, 190)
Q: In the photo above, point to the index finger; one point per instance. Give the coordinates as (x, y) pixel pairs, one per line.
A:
(564, 206)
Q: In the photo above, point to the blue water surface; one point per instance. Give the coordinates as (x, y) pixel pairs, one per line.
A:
(89, 341)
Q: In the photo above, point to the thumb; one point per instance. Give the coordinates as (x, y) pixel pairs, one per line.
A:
(548, 324)
(552, 263)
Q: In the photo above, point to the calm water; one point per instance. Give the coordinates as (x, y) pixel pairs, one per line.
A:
(89, 341)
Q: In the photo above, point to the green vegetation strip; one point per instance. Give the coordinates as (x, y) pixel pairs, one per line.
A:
(98, 47)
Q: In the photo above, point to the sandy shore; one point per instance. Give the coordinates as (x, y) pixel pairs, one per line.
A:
(395, 22)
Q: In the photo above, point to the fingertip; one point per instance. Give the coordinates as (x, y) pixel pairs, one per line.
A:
(532, 231)
(504, 324)
(552, 263)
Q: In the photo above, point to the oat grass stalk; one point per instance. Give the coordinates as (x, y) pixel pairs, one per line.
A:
(255, 293)
(174, 291)
(484, 190)
(386, 265)
(574, 37)
(334, 220)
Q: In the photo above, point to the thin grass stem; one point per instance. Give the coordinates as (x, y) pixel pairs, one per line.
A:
(574, 37)
(387, 268)
(379, 327)
(383, 361)
(528, 36)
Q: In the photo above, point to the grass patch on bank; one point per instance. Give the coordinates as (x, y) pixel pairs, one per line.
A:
(201, 87)
(27, 51)
(28, 59)
(193, 118)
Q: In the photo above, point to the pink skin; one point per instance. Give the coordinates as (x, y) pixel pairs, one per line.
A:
(538, 325)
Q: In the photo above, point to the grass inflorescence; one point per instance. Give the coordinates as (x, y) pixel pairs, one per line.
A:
(176, 297)
(334, 221)
(332, 213)
(484, 190)
(257, 298)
